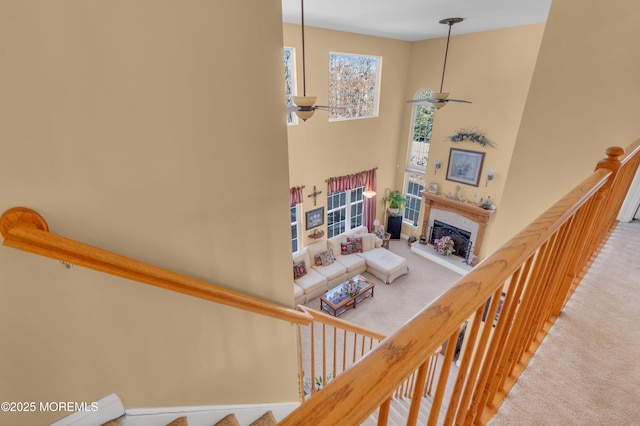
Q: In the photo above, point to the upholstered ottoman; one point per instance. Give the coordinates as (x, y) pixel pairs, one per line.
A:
(385, 264)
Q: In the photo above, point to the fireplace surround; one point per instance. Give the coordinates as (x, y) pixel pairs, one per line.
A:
(459, 214)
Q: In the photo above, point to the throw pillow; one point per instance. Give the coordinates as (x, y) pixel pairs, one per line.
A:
(317, 259)
(299, 270)
(228, 420)
(357, 244)
(328, 258)
(267, 419)
(346, 248)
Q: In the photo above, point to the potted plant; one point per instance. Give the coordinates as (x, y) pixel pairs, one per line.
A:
(394, 202)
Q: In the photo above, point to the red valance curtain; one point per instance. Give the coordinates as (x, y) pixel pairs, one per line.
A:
(296, 195)
(367, 179)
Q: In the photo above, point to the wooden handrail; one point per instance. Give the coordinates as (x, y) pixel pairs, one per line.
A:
(25, 229)
(529, 262)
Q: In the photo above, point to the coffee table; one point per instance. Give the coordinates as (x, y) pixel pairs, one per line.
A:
(337, 300)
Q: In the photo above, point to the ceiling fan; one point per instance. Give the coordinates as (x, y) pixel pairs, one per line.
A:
(304, 106)
(440, 99)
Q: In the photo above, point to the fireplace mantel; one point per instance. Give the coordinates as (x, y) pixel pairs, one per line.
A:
(469, 210)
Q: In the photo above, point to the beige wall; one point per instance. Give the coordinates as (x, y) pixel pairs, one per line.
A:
(319, 149)
(126, 125)
(492, 69)
(583, 98)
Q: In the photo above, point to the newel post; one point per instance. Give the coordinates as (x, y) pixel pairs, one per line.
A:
(612, 162)
(603, 218)
(589, 233)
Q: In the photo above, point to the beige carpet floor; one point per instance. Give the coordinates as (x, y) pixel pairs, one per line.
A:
(396, 303)
(587, 370)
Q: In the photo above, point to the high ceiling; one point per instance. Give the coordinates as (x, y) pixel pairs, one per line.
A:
(413, 20)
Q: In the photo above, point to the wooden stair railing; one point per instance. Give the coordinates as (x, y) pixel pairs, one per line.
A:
(334, 345)
(329, 346)
(529, 279)
(25, 229)
(536, 272)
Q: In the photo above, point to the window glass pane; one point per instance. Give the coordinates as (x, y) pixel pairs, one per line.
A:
(356, 194)
(423, 117)
(421, 126)
(356, 215)
(289, 83)
(354, 85)
(336, 222)
(415, 185)
(295, 230)
(342, 216)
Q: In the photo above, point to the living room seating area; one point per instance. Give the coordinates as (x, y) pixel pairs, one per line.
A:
(326, 263)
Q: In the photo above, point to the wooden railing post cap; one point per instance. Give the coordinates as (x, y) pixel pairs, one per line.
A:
(612, 162)
(23, 217)
(613, 152)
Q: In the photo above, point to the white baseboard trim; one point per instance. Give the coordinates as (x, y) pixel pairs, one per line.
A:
(95, 413)
(110, 407)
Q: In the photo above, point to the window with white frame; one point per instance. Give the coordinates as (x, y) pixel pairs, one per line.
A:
(421, 125)
(344, 210)
(289, 82)
(353, 86)
(295, 228)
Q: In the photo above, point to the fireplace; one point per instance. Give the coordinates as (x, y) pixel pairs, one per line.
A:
(458, 216)
(461, 238)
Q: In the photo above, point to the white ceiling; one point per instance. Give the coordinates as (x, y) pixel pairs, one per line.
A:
(413, 20)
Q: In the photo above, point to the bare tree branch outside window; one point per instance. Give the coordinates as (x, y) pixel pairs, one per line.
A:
(289, 82)
(354, 84)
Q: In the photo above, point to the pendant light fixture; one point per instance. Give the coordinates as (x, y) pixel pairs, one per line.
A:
(304, 103)
(441, 98)
(304, 106)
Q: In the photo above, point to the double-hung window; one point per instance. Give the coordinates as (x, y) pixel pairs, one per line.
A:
(421, 125)
(295, 228)
(344, 210)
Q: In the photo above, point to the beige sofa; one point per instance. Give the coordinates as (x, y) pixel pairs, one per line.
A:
(320, 278)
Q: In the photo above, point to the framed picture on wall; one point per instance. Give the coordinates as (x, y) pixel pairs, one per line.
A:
(465, 166)
(314, 218)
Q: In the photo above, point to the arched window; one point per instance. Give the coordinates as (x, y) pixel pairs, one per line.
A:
(421, 125)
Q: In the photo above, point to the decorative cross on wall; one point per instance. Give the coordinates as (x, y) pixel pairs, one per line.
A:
(314, 195)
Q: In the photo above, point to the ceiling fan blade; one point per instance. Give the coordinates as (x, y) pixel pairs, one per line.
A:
(457, 100)
(427, 101)
(292, 108)
(431, 102)
(329, 108)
